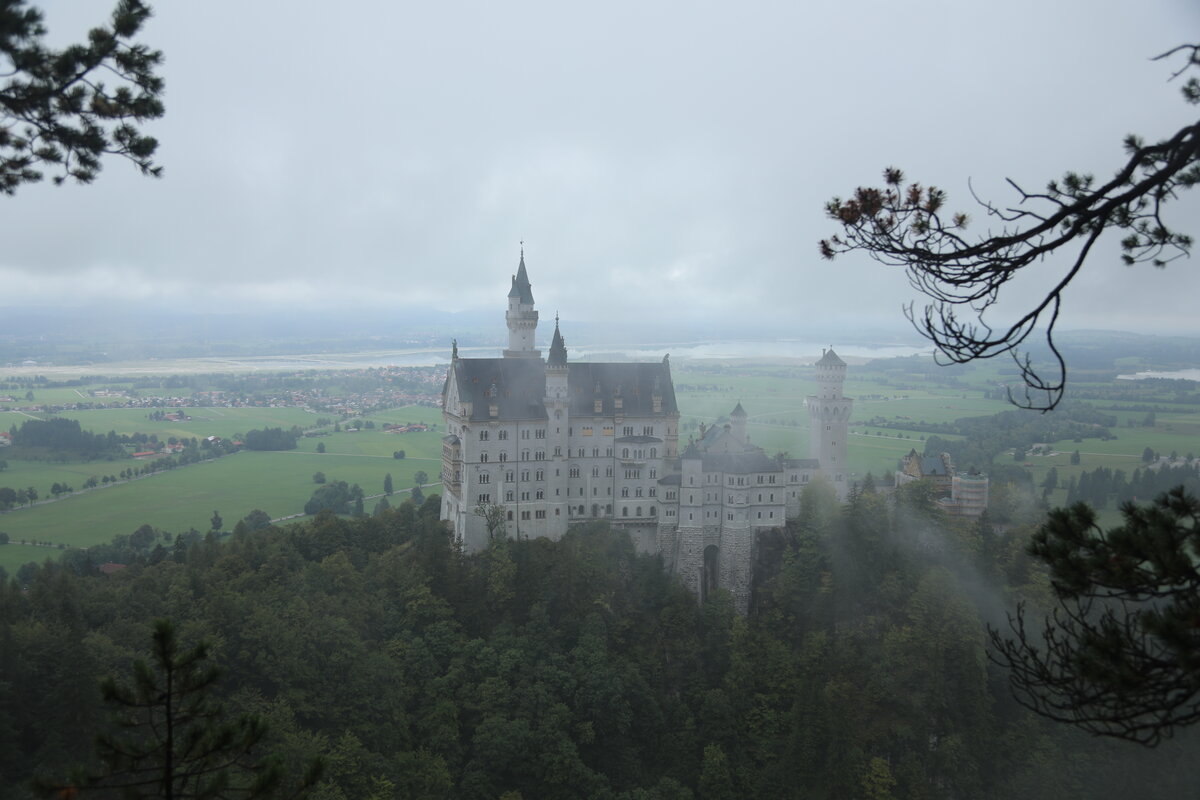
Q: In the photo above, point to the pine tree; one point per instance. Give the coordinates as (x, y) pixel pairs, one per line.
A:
(171, 739)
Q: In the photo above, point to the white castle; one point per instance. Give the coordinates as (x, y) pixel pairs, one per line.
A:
(540, 444)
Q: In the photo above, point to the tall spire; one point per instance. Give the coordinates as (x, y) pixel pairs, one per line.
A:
(521, 317)
(558, 348)
(520, 282)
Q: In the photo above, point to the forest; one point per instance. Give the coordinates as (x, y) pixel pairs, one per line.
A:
(576, 668)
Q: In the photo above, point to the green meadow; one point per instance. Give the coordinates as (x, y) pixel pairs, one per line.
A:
(280, 483)
(175, 500)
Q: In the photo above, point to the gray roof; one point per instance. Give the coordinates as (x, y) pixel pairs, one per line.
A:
(520, 284)
(558, 348)
(740, 463)
(520, 385)
(933, 465)
(830, 359)
(802, 463)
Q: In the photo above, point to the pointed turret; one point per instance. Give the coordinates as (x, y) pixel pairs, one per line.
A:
(737, 423)
(522, 317)
(558, 348)
(521, 289)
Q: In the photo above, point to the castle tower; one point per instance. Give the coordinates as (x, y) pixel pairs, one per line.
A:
(521, 316)
(737, 422)
(558, 406)
(829, 414)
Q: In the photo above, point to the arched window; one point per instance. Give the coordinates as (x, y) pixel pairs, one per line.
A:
(624, 511)
(654, 452)
(639, 511)
(624, 452)
(653, 511)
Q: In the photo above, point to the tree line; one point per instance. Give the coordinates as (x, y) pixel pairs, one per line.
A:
(576, 668)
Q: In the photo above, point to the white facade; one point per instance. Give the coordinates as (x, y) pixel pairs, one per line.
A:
(544, 443)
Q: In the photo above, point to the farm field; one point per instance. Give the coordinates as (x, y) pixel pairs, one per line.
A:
(175, 500)
(280, 483)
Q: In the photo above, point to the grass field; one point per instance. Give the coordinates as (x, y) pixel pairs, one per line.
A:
(280, 483)
(175, 500)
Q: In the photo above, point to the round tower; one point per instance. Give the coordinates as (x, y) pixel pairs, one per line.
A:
(829, 415)
(521, 317)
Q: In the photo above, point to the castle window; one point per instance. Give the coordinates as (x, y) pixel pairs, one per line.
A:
(540, 475)
(624, 452)
(581, 491)
(638, 511)
(557, 451)
(483, 436)
(608, 472)
(625, 491)
(524, 515)
(524, 455)
(508, 476)
(608, 451)
(582, 453)
(510, 516)
(608, 509)
(524, 495)
(653, 511)
(483, 458)
(654, 452)
(485, 478)
(540, 455)
(595, 452)
(608, 430)
(653, 472)
(525, 434)
(627, 430)
(502, 435)
(648, 430)
(540, 433)
(638, 491)
(540, 514)
(524, 475)
(503, 456)
(573, 472)
(653, 491)
(541, 495)
(508, 496)
(485, 498)
(595, 472)
(624, 511)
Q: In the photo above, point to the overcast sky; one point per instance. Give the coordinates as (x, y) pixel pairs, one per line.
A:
(660, 160)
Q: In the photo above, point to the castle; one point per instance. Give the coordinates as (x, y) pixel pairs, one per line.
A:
(534, 445)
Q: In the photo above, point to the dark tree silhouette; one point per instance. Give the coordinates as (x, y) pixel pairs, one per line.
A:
(1120, 656)
(68, 108)
(173, 740)
(906, 224)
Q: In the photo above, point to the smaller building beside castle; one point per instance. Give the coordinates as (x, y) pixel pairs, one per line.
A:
(963, 494)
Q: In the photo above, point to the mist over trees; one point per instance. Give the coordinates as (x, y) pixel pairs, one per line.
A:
(577, 668)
